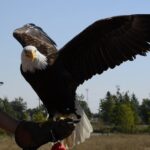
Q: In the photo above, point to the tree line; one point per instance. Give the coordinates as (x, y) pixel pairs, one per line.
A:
(123, 112)
(117, 112)
(17, 108)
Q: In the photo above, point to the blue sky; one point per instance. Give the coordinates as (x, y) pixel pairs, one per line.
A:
(62, 20)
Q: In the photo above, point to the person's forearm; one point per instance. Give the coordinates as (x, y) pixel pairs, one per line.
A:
(8, 123)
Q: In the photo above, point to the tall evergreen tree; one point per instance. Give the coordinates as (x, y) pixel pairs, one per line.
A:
(136, 108)
(145, 110)
(19, 106)
(106, 107)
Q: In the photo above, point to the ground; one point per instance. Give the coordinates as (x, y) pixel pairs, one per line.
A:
(96, 142)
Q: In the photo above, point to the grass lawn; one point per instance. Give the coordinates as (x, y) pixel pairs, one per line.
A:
(96, 142)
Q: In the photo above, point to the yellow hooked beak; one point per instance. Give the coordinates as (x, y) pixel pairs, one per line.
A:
(30, 54)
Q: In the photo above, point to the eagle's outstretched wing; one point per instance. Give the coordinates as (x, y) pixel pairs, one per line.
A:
(106, 44)
(30, 34)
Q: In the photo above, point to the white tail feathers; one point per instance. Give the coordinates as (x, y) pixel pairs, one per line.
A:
(82, 130)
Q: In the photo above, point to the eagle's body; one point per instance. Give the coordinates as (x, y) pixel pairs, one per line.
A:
(51, 84)
(105, 44)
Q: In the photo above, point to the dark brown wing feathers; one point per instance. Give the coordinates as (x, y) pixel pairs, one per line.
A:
(106, 44)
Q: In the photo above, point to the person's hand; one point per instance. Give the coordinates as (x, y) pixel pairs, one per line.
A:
(31, 135)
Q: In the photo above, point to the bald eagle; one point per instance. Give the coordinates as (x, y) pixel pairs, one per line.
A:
(55, 75)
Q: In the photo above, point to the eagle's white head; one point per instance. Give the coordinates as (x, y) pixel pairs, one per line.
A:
(32, 59)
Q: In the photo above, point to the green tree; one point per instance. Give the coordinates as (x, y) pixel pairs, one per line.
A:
(136, 108)
(38, 116)
(6, 107)
(124, 118)
(38, 113)
(145, 110)
(19, 106)
(106, 107)
(120, 110)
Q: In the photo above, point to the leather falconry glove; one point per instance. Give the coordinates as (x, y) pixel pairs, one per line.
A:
(30, 135)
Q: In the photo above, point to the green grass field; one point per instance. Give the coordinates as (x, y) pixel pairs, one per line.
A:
(96, 142)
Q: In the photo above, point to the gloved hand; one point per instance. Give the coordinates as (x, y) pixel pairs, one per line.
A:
(30, 135)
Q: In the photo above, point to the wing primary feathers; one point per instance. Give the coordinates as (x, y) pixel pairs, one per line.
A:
(105, 44)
